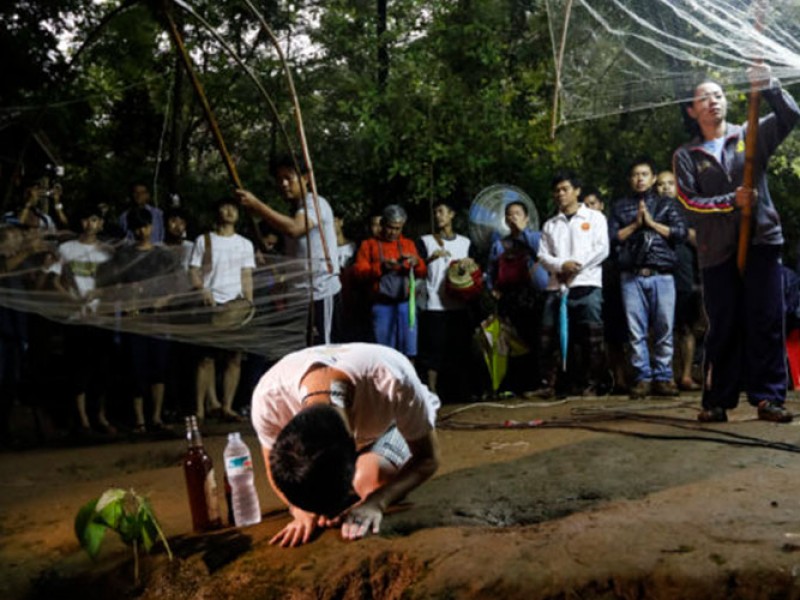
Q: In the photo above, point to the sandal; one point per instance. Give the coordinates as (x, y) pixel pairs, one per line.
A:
(140, 429)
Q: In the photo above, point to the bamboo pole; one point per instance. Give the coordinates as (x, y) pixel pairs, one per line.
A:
(559, 65)
(750, 152)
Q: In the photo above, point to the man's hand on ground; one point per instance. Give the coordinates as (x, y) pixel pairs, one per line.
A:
(297, 532)
(361, 520)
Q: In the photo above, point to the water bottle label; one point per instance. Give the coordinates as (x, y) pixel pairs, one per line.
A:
(236, 465)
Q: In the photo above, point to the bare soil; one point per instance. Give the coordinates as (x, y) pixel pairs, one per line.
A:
(598, 498)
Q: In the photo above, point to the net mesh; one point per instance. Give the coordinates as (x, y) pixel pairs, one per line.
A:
(618, 56)
(162, 304)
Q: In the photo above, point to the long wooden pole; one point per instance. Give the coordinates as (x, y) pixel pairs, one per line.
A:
(559, 65)
(177, 39)
(750, 152)
(201, 95)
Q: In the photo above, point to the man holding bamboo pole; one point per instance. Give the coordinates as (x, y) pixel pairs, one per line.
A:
(745, 347)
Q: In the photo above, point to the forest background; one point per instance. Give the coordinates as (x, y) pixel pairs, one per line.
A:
(404, 101)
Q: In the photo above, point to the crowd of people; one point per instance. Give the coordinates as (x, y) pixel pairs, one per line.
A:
(599, 301)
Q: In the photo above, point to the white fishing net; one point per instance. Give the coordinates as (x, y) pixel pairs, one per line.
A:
(615, 56)
(162, 305)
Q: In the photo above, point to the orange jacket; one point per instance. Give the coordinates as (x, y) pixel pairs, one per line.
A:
(368, 259)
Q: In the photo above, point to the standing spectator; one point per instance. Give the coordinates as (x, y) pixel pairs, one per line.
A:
(615, 325)
(573, 247)
(516, 281)
(306, 233)
(592, 198)
(175, 235)
(112, 232)
(688, 311)
(374, 228)
(140, 198)
(644, 229)
(132, 266)
(444, 322)
(222, 266)
(35, 209)
(386, 262)
(87, 348)
(744, 346)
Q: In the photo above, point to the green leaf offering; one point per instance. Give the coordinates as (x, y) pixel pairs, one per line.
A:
(125, 512)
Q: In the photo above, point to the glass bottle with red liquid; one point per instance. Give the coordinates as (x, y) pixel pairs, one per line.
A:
(201, 485)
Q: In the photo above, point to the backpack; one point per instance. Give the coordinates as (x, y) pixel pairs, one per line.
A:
(513, 266)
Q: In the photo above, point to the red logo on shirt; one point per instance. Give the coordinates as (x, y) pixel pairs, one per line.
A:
(585, 226)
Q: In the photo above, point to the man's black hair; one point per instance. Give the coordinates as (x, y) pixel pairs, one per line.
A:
(138, 218)
(516, 203)
(443, 202)
(176, 211)
(225, 201)
(313, 461)
(690, 124)
(265, 229)
(643, 159)
(288, 161)
(591, 191)
(566, 176)
(90, 210)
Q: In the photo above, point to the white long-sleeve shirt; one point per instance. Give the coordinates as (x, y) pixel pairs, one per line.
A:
(583, 239)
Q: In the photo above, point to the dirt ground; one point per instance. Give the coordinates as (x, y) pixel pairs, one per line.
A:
(591, 498)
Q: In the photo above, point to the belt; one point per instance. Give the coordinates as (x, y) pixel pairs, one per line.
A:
(650, 272)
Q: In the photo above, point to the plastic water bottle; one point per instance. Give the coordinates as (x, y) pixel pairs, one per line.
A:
(239, 469)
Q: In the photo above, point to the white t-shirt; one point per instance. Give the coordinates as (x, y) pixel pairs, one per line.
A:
(387, 391)
(325, 283)
(436, 295)
(82, 261)
(229, 255)
(583, 239)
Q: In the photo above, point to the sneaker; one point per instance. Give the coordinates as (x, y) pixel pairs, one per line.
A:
(713, 415)
(640, 390)
(769, 410)
(665, 388)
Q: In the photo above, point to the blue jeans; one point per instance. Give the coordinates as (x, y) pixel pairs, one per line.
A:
(390, 324)
(650, 304)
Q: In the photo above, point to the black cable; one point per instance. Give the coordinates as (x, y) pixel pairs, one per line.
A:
(720, 436)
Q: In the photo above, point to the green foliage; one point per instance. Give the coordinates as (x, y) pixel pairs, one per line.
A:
(125, 512)
(465, 103)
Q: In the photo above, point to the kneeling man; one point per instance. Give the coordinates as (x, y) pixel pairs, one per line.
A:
(346, 431)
